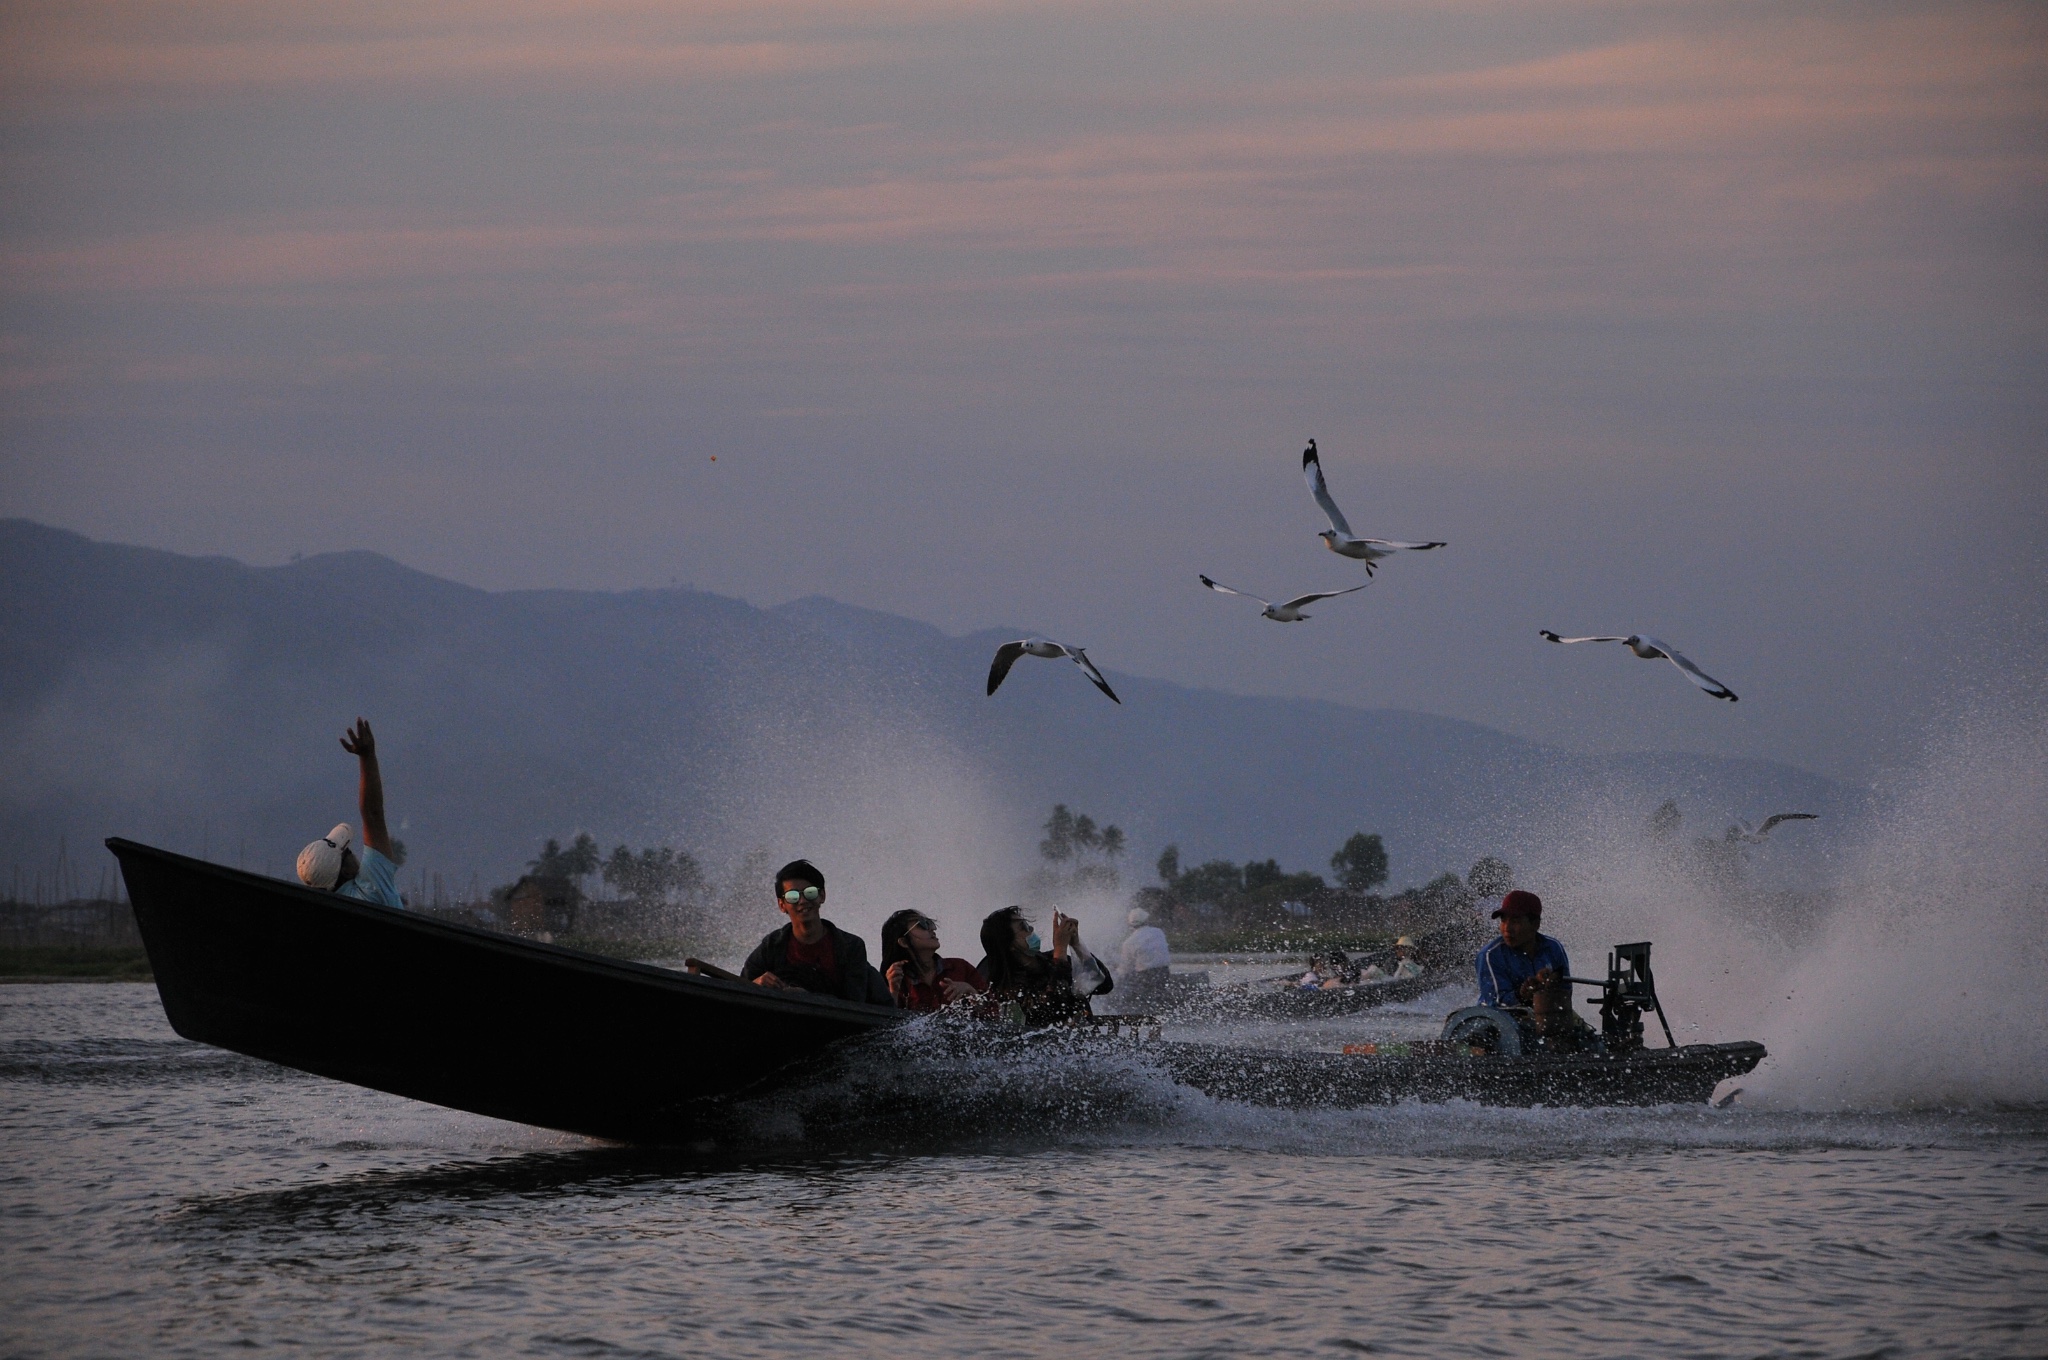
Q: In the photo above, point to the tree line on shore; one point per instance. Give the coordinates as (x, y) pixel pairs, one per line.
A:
(663, 889)
(1220, 895)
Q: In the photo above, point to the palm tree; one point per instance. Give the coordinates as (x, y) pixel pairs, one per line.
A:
(1058, 844)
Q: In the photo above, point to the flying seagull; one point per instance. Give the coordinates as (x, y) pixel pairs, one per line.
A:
(1649, 649)
(1337, 538)
(1289, 612)
(1007, 654)
(1741, 830)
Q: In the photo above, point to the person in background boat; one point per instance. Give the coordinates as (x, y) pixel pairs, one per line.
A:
(1523, 961)
(810, 954)
(331, 863)
(1146, 960)
(919, 980)
(1406, 964)
(1050, 987)
(1327, 972)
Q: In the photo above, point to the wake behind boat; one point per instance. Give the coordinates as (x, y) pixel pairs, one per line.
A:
(540, 1034)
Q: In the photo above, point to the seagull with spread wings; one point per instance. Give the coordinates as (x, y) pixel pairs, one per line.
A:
(1007, 654)
(1290, 612)
(1741, 830)
(1338, 537)
(1650, 649)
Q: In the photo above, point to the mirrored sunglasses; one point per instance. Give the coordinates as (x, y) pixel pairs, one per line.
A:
(793, 895)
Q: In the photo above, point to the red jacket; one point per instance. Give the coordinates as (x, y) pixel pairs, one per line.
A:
(930, 996)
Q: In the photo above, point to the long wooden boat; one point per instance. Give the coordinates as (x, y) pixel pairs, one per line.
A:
(1652, 1076)
(453, 1015)
(1250, 1002)
(1279, 999)
(540, 1034)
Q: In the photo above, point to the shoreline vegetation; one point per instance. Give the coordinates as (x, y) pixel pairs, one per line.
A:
(74, 963)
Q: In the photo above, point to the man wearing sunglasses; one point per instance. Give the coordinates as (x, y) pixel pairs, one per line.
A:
(810, 954)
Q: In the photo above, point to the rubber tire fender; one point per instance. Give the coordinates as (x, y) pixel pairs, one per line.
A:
(1473, 1023)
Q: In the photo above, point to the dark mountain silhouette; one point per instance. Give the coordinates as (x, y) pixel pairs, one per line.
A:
(195, 702)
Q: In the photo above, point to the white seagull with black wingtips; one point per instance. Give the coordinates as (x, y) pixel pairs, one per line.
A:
(1741, 830)
(1649, 648)
(1007, 654)
(1290, 612)
(1338, 537)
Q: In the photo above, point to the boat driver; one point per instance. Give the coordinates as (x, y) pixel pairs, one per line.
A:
(331, 863)
(1523, 961)
(810, 954)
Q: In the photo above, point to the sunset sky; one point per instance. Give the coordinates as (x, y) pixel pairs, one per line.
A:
(1723, 321)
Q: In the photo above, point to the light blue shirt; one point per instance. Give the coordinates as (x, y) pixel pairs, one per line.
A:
(376, 880)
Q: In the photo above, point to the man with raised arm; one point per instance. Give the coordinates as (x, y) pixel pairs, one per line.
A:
(331, 863)
(810, 954)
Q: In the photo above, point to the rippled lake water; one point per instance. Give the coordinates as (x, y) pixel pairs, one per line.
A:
(160, 1198)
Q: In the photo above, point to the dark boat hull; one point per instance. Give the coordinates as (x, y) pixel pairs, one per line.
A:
(456, 1016)
(1661, 1076)
(542, 1035)
(1297, 1003)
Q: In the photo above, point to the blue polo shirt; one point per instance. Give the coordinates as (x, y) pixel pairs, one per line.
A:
(376, 880)
(1502, 970)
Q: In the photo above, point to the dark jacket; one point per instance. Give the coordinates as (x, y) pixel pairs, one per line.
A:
(1046, 992)
(858, 981)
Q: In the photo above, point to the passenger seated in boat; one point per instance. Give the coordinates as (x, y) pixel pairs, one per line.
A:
(919, 980)
(1147, 962)
(1405, 964)
(810, 954)
(1523, 959)
(331, 863)
(1049, 986)
(1328, 972)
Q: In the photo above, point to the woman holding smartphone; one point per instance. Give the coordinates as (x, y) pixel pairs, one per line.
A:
(1051, 986)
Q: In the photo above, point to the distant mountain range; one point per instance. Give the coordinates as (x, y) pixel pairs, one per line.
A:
(196, 702)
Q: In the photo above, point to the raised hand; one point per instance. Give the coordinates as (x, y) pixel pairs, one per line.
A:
(359, 742)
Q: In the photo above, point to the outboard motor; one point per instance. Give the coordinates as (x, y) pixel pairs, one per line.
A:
(1630, 989)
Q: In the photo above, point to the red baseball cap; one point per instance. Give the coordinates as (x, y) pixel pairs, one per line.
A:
(1519, 903)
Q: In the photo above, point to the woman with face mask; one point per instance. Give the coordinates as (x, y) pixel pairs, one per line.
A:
(1051, 986)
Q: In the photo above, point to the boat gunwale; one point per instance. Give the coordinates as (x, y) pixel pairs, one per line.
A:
(515, 946)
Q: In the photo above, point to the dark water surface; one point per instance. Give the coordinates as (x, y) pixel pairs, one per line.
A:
(159, 1198)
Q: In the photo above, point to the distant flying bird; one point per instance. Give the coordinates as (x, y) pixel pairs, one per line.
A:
(1007, 654)
(1289, 612)
(1337, 538)
(1741, 831)
(1649, 648)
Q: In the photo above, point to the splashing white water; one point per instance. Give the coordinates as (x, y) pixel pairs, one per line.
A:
(1922, 989)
